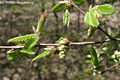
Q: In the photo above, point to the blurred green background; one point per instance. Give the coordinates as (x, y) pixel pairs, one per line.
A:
(18, 19)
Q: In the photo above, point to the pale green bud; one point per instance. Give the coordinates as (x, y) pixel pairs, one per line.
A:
(62, 47)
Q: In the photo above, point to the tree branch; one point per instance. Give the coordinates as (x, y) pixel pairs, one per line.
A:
(70, 44)
(11, 47)
(78, 8)
(108, 69)
(106, 33)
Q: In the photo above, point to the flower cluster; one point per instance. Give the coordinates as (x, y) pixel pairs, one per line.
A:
(62, 48)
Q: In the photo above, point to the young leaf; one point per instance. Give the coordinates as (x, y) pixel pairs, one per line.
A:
(94, 57)
(40, 25)
(30, 43)
(59, 40)
(66, 18)
(34, 29)
(105, 10)
(41, 21)
(98, 14)
(78, 2)
(87, 19)
(89, 70)
(93, 21)
(90, 19)
(88, 61)
(27, 51)
(45, 53)
(12, 54)
(22, 38)
(59, 7)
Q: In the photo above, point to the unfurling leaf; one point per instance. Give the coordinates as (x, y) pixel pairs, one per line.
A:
(66, 18)
(98, 15)
(59, 7)
(12, 54)
(30, 43)
(40, 24)
(78, 2)
(59, 40)
(45, 53)
(93, 21)
(97, 12)
(34, 29)
(105, 10)
(90, 19)
(22, 38)
(41, 21)
(88, 61)
(94, 57)
(89, 70)
(87, 19)
(27, 51)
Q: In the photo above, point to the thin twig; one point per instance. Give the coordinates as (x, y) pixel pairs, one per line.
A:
(57, 21)
(70, 44)
(106, 33)
(108, 69)
(78, 8)
(10, 47)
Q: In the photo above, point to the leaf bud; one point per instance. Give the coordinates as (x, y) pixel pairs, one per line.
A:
(62, 42)
(66, 40)
(91, 31)
(62, 57)
(62, 52)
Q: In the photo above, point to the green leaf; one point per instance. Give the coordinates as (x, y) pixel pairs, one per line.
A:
(45, 53)
(30, 43)
(87, 19)
(57, 42)
(34, 29)
(12, 54)
(22, 38)
(94, 57)
(41, 21)
(59, 7)
(40, 24)
(98, 14)
(78, 2)
(66, 18)
(102, 78)
(105, 10)
(27, 51)
(93, 21)
(88, 61)
(90, 19)
(89, 70)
